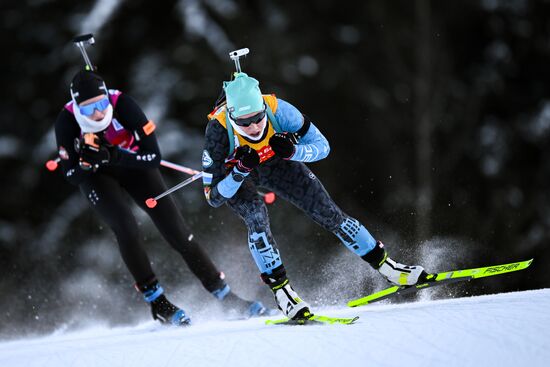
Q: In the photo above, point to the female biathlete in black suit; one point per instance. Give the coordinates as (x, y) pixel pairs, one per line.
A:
(108, 146)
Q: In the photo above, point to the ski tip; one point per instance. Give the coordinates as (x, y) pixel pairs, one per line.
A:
(327, 320)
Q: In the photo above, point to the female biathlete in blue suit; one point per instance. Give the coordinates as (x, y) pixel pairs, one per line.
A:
(260, 140)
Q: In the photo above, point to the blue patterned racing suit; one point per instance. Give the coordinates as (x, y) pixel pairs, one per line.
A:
(290, 179)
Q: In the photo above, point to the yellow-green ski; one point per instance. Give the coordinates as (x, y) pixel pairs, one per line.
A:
(437, 279)
(314, 319)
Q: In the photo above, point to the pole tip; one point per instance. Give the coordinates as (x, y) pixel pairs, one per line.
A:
(151, 203)
(269, 197)
(51, 165)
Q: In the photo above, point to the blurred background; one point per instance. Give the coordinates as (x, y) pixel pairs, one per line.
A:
(437, 112)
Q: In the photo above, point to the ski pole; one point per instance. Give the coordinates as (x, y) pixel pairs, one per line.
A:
(178, 167)
(152, 202)
(269, 197)
(52, 165)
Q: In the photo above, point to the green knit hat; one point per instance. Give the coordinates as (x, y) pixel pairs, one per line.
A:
(243, 95)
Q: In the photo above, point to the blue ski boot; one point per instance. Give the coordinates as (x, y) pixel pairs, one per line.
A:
(239, 307)
(162, 309)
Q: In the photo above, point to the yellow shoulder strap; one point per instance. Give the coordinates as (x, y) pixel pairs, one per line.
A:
(220, 115)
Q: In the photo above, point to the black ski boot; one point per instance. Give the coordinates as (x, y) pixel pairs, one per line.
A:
(162, 309)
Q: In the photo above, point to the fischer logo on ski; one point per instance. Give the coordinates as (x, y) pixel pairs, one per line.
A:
(498, 269)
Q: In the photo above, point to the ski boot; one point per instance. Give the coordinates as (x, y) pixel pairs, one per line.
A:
(237, 306)
(394, 272)
(162, 309)
(286, 298)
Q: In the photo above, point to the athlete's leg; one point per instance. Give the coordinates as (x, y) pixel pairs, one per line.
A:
(108, 200)
(248, 205)
(294, 182)
(143, 184)
(170, 223)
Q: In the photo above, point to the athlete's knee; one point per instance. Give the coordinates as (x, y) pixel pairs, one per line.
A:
(255, 216)
(184, 244)
(329, 216)
(126, 233)
(355, 236)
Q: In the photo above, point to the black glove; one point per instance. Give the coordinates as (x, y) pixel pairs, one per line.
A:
(247, 158)
(93, 152)
(282, 145)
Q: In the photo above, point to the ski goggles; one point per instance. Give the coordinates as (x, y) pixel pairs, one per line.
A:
(88, 110)
(254, 119)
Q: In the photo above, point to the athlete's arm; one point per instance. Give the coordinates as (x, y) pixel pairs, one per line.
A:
(130, 115)
(218, 185)
(312, 145)
(66, 130)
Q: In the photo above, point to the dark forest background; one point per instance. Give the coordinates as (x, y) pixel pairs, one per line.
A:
(437, 112)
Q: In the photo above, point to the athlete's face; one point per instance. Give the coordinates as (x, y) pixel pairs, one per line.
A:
(97, 115)
(254, 130)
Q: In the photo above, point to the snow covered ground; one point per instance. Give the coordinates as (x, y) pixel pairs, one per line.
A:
(497, 330)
